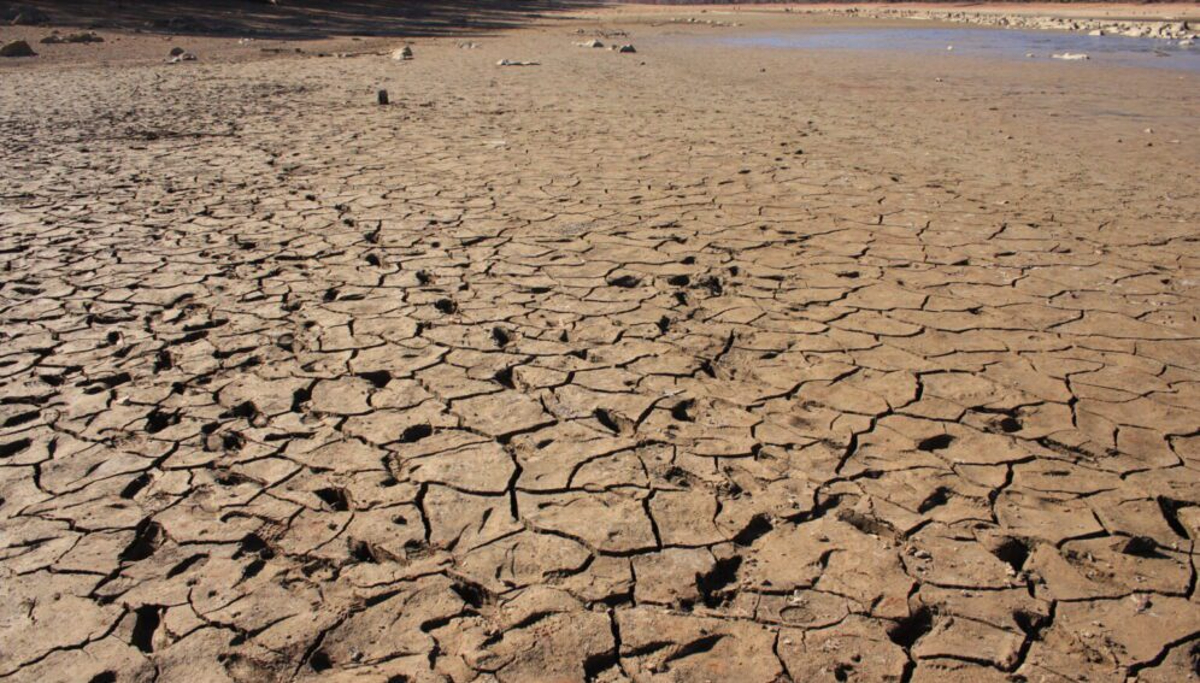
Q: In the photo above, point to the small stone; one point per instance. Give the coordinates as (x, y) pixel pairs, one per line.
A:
(382, 96)
(1071, 56)
(182, 57)
(402, 53)
(1141, 602)
(83, 38)
(176, 51)
(627, 49)
(17, 48)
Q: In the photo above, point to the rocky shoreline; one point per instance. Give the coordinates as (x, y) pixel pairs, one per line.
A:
(1180, 32)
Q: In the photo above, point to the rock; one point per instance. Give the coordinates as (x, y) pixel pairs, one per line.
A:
(83, 38)
(182, 57)
(24, 15)
(382, 96)
(590, 43)
(513, 62)
(176, 51)
(402, 53)
(1071, 56)
(17, 48)
(627, 49)
(88, 37)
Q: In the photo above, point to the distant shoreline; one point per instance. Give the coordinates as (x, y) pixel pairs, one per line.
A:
(1115, 10)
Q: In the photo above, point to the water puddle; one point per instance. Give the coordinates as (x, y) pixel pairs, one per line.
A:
(986, 43)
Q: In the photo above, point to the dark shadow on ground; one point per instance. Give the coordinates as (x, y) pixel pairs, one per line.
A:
(301, 19)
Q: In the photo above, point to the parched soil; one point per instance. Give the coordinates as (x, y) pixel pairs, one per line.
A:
(694, 364)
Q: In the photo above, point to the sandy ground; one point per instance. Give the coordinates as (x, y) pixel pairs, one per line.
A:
(694, 364)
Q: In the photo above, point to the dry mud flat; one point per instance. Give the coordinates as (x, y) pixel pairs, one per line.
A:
(695, 364)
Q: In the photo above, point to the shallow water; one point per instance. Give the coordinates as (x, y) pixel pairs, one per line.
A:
(985, 42)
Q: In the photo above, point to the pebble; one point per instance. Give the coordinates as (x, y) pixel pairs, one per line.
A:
(402, 53)
(626, 49)
(1141, 602)
(84, 38)
(1071, 56)
(382, 96)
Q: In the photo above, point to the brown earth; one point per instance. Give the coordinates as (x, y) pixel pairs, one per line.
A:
(694, 364)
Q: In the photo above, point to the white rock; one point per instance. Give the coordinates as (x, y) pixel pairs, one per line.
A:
(1071, 56)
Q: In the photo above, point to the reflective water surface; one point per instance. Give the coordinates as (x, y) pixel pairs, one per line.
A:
(985, 42)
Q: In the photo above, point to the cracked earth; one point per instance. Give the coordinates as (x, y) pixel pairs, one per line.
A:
(696, 364)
